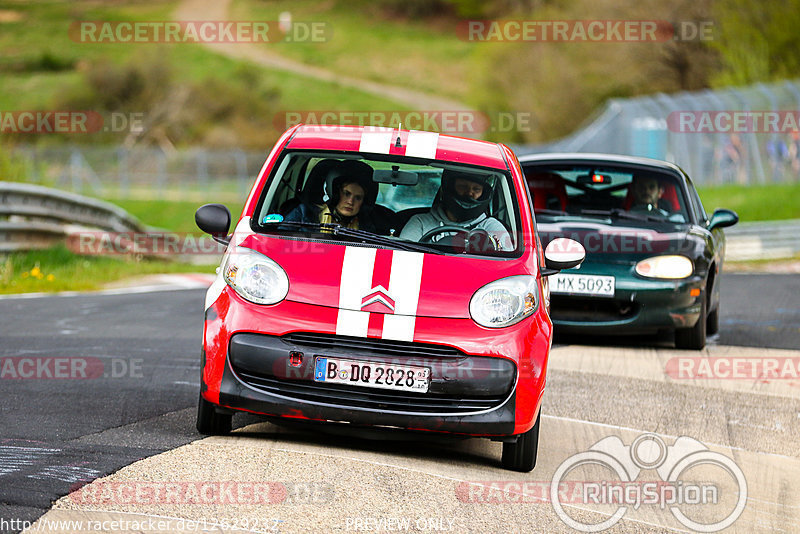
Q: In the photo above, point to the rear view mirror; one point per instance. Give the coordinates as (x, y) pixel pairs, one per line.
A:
(593, 179)
(214, 219)
(562, 253)
(395, 176)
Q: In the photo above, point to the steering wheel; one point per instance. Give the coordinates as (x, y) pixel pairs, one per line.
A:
(428, 236)
(475, 240)
(649, 208)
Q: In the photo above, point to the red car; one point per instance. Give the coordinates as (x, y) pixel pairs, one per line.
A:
(383, 278)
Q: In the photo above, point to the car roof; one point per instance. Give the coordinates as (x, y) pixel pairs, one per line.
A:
(379, 140)
(610, 158)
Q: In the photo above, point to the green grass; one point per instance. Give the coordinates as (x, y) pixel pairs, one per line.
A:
(175, 216)
(43, 29)
(768, 202)
(58, 269)
(366, 42)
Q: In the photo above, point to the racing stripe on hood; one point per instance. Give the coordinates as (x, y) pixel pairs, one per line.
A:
(404, 285)
(356, 282)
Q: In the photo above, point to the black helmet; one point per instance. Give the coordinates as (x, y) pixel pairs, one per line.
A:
(350, 171)
(465, 208)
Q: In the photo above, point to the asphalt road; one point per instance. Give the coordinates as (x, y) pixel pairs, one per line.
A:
(132, 374)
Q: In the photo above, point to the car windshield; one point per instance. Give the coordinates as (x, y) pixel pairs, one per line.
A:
(633, 194)
(394, 201)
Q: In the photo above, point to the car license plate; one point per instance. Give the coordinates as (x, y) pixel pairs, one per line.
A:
(372, 374)
(582, 284)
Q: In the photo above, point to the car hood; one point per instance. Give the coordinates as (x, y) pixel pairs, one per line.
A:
(622, 242)
(386, 281)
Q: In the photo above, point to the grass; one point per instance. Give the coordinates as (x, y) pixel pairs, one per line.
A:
(42, 31)
(769, 202)
(59, 269)
(175, 216)
(364, 42)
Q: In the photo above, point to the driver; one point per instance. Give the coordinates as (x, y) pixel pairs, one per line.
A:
(647, 192)
(462, 202)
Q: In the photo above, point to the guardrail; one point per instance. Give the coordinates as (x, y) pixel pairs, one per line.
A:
(763, 240)
(32, 216)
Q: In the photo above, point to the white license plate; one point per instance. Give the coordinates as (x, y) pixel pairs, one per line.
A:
(372, 374)
(582, 284)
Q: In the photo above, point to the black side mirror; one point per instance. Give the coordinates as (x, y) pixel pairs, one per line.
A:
(214, 219)
(562, 253)
(722, 218)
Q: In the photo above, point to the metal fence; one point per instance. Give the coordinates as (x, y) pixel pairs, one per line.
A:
(196, 174)
(746, 135)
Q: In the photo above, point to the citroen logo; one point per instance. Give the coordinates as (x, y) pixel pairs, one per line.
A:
(377, 299)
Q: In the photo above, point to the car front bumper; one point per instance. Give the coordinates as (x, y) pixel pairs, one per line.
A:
(638, 306)
(484, 382)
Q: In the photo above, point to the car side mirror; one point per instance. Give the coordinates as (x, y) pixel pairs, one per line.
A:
(214, 219)
(562, 253)
(722, 218)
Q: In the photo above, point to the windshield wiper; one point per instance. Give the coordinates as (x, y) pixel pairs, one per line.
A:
(622, 214)
(338, 229)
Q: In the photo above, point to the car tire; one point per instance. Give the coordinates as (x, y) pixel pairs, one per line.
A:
(521, 455)
(209, 421)
(693, 338)
(712, 324)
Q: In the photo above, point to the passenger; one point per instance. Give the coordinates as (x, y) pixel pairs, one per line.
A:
(464, 200)
(346, 186)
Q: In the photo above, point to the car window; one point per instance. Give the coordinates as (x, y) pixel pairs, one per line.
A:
(700, 211)
(585, 190)
(397, 190)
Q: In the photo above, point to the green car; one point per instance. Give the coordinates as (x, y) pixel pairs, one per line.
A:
(653, 255)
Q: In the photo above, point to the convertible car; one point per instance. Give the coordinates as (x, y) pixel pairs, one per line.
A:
(653, 255)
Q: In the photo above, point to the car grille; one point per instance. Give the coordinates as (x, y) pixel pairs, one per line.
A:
(376, 346)
(591, 310)
(259, 361)
(384, 400)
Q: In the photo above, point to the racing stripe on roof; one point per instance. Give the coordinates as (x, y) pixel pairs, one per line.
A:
(422, 144)
(356, 282)
(404, 286)
(376, 140)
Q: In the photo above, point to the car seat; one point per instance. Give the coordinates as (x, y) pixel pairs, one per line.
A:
(548, 191)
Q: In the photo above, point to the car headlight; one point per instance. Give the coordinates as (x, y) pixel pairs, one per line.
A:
(255, 277)
(665, 267)
(504, 302)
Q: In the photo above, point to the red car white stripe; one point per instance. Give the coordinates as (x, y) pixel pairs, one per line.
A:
(376, 140)
(404, 286)
(405, 280)
(355, 283)
(422, 144)
(418, 144)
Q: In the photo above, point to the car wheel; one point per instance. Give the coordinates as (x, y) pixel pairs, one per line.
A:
(693, 338)
(521, 455)
(712, 324)
(209, 421)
